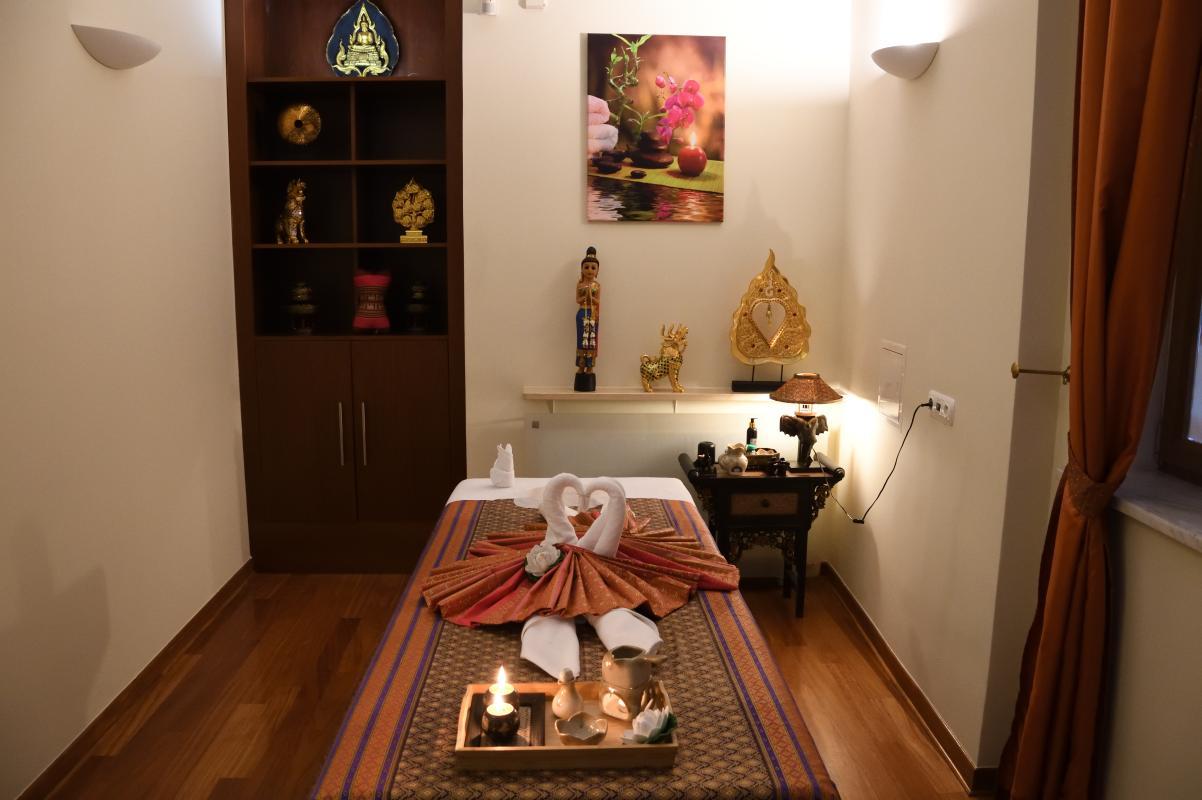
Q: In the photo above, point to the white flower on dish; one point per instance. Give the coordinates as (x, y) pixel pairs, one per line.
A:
(646, 725)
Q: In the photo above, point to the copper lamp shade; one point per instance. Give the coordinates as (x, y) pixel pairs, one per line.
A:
(806, 388)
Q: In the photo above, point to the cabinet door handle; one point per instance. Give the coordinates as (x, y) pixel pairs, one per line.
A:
(363, 413)
(341, 442)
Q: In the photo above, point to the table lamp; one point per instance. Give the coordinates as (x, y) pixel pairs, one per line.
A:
(806, 389)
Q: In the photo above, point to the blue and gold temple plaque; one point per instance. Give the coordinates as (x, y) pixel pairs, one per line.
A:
(363, 42)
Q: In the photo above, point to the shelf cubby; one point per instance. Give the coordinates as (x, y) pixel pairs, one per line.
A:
(290, 39)
(400, 120)
(332, 102)
(376, 187)
(409, 266)
(329, 201)
(329, 273)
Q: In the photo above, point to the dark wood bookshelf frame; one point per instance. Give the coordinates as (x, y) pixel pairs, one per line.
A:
(275, 53)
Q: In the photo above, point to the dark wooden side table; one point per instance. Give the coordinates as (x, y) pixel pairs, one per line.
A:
(752, 508)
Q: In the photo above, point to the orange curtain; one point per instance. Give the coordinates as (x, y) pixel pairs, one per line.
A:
(1137, 75)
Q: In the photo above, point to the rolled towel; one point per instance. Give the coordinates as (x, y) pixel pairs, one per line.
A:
(502, 473)
(623, 627)
(550, 643)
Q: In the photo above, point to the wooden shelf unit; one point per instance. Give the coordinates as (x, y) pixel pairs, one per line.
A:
(351, 442)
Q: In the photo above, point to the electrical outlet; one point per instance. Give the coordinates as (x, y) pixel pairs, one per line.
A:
(942, 407)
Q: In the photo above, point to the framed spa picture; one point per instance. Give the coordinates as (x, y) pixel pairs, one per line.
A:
(655, 133)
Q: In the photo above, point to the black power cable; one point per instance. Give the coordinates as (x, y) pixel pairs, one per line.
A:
(860, 520)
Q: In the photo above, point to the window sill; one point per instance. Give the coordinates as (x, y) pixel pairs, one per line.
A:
(1163, 503)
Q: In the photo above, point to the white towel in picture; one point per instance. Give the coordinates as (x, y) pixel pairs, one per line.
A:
(502, 473)
(550, 644)
(623, 627)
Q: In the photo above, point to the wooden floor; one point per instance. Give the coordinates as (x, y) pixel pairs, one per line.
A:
(872, 740)
(248, 706)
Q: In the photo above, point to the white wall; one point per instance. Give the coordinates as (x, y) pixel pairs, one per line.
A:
(937, 241)
(121, 493)
(1156, 695)
(524, 206)
(1038, 444)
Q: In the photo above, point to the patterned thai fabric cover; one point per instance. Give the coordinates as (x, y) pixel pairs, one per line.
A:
(741, 734)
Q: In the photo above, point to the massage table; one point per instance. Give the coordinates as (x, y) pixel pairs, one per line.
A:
(741, 734)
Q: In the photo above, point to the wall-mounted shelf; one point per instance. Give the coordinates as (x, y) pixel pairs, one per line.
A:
(633, 400)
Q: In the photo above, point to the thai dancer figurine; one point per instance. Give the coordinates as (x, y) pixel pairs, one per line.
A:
(588, 318)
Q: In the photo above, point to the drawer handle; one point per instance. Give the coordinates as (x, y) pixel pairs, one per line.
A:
(341, 442)
(765, 503)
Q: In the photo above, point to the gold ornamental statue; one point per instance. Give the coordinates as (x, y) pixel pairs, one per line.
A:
(290, 224)
(667, 364)
(769, 326)
(413, 208)
(366, 44)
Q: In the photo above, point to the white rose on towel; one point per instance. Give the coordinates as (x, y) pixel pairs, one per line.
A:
(541, 558)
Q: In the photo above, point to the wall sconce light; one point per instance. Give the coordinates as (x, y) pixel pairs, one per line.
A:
(907, 61)
(488, 8)
(116, 49)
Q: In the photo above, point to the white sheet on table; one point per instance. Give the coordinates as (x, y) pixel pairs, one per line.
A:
(482, 489)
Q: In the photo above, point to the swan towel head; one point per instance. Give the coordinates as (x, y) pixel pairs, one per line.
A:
(603, 535)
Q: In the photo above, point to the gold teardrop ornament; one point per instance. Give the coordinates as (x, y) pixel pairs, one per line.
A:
(754, 343)
(299, 124)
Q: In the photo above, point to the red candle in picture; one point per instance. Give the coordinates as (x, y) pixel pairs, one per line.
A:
(691, 158)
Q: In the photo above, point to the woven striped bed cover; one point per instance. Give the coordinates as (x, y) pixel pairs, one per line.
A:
(741, 734)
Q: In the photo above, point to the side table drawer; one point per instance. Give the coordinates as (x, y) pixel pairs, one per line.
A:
(764, 504)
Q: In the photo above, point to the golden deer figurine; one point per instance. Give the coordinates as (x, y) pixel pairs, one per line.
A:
(669, 360)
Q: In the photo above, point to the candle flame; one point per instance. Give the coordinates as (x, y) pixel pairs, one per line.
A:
(693, 139)
(496, 700)
(501, 677)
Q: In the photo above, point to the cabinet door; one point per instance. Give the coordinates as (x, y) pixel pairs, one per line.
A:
(402, 429)
(306, 453)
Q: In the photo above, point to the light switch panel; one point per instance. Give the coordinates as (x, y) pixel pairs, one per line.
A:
(891, 370)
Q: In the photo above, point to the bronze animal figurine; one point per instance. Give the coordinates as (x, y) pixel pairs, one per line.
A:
(669, 360)
(290, 225)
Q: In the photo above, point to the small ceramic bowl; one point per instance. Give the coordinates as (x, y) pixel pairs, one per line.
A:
(581, 728)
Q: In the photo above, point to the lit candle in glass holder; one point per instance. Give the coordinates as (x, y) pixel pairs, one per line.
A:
(504, 689)
(500, 719)
(691, 159)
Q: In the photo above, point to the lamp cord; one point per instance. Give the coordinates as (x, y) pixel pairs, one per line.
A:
(860, 520)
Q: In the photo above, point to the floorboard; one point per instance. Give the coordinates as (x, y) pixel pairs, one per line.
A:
(248, 708)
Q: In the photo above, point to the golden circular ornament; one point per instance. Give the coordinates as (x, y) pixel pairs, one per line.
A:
(299, 124)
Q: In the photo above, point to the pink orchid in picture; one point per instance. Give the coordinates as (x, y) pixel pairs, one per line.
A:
(660, 99)
(680, 106)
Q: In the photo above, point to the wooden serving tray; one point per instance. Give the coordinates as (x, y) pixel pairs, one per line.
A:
(538, 746)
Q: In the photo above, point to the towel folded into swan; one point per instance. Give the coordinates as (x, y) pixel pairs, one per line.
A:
(618, 564)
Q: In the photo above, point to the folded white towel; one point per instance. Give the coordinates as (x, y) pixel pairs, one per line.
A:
(623, 627)
(502, 473)
(550, 644)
